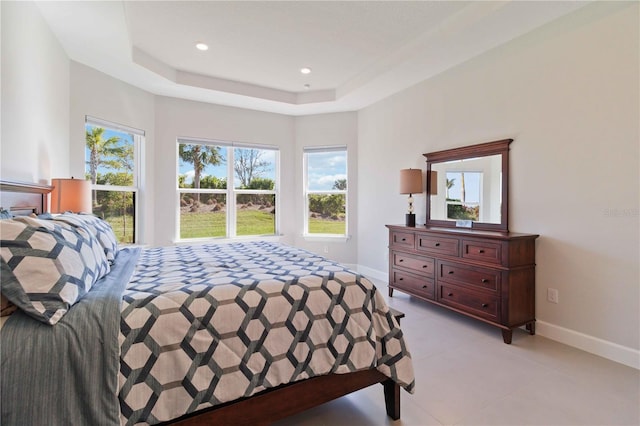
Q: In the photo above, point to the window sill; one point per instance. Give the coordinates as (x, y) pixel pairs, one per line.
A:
(222, 240)
(328, 238)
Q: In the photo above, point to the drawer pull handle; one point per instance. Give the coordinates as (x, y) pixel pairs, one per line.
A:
(484, 280)
(450, 272)
(400, 260)
(424, 286)
(437, 244)
(425, 266)
(484, 305)
(404, 239)
(480, 251)
(450, 294)
(400, 279)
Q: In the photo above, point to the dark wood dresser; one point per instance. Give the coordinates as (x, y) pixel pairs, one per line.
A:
(485, 275)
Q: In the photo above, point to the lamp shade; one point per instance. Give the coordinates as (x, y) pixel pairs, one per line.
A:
(410, 181)
(72, 195)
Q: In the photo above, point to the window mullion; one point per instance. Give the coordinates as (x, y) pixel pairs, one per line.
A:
(231, 196)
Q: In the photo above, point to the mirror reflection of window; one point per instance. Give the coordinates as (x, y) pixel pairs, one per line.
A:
(463, 195)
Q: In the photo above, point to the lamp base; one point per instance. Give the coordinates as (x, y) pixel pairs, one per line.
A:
(410, 219)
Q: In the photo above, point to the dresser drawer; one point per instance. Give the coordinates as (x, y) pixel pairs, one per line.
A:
(423, 265)
(403, 240)
(420, 286)
(439, 245)
(482, 250)
(469, 276)
(480, 304)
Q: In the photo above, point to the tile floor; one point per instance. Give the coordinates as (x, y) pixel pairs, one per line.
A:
(466, 375)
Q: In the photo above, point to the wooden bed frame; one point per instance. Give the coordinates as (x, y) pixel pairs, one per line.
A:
(263, 408)
(274, 404)
(23, 197)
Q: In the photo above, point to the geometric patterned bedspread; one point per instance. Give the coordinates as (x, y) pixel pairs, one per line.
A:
(206, 324)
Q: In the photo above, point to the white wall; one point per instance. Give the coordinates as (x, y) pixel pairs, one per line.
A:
(180, 118)
(569, 96)
(34, 143)
(99, 95)
(339, 129)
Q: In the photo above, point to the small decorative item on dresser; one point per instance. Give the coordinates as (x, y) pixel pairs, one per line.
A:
(410, 183)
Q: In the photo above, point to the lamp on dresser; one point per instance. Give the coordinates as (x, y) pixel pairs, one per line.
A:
(72, 195)
(410, 183)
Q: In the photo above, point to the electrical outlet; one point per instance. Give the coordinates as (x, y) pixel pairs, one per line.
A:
(552, 295)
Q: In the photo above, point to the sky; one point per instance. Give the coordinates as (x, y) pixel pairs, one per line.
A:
(324, 168)
(471, 186)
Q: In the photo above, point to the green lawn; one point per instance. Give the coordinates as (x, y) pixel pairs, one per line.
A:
(202, 225)
(213, 224)
(321, 226)
(122, 227)
(255, 222)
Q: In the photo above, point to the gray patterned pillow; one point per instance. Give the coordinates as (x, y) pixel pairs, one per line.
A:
(100, 228)
(47, 267)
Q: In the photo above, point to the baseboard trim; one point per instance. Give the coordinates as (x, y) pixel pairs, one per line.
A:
(373, 273)
(604, 348)
(609, 350)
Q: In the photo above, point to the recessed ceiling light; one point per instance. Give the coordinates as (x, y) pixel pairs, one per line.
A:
(201, 46)
(307, 86)
(305, 70)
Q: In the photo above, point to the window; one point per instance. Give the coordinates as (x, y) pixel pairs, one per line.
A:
(463, 195)
(209, 206)
(112, 154)
(325, 186)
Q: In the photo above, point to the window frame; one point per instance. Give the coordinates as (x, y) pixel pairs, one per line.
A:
(138, 149)
(231, 192)
(307, 192)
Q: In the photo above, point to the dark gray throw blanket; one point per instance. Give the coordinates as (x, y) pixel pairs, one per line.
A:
(67, 374)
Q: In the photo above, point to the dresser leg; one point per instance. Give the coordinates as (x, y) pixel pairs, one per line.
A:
(390, 291)
(506, 336)
(531, 328)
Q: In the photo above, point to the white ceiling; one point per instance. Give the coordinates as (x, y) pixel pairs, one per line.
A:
(359, 51)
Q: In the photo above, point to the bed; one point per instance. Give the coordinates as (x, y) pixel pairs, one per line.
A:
(236, 333)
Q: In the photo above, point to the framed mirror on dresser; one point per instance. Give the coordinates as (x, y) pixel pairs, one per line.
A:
(465, 258)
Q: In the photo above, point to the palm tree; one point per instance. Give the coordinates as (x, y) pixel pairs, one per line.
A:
(200, 156)
(450, 183)
(107, 153)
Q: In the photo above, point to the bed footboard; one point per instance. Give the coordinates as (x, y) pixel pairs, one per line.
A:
(272, 405)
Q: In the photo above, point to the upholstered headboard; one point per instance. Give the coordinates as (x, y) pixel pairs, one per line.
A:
(21, 198)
